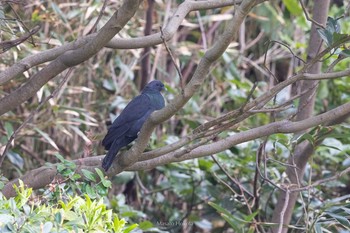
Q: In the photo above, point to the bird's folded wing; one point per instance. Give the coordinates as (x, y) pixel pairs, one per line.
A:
(135, 110)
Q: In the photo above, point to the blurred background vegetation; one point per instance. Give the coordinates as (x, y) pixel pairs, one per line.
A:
(198, 193)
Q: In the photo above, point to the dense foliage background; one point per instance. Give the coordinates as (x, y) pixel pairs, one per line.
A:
(217, 193)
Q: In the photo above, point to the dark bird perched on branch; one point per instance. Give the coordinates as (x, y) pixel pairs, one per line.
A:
(125, 128)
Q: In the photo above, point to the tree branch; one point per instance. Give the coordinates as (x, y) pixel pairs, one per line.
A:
(116, 43)
(43, 176)
(71, 58)
(304, 150)
(131, 156)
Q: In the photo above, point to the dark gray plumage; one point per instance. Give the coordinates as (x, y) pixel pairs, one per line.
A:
(125, 128)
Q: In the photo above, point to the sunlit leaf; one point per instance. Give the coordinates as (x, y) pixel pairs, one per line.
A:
(293, 7)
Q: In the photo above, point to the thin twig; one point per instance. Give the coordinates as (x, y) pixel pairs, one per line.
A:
(290, 50)
(255, 40)
(250, 94)
(264, 177)
(242, 188)
(139, 182)
(93, 29)
(23, 24)
(298, 181)
(282, 44)
(256, 189)
(201, 27)
(226, 184)
(173, 60)
(283, 211)
(265, 65)
(8, 44)
(335, 62)
(319, 182)
(308, 16)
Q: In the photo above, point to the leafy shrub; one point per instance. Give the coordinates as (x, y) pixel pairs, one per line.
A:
(24, 213)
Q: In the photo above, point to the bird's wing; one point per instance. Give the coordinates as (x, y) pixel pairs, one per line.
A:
(135, 110)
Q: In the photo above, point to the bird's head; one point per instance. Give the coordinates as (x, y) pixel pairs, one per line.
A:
(155, 85)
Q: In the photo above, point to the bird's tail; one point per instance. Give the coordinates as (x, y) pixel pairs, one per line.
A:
(112, 153)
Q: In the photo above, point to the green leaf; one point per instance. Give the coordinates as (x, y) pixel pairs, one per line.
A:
(205, 164)
(59, 157)
(105, 182)
(89, 175)
(130, 228)
(250, 217)
(100, 173)
(326, 35)
(75, 177)
(60, 167)
(145, 225)
(69, 164)
(90, 191)
(339, 37)
(306, 136)
(234, 224)
(234, 221)
(58, 218)
(118, 224)
(218, 208)
(345, 52)
(341, 219)
(293, 7)
(9, 129)
(332, 25)
(102, 190)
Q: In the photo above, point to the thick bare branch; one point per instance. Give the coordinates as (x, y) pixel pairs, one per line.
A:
(259, 132)
(116, 43)
(127, 159)
(43, 176)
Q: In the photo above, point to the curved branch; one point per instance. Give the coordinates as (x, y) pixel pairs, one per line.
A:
(131, 156)
(262, 131)
(333, 75)
(43, 176)
(71, 58)
(115, 43)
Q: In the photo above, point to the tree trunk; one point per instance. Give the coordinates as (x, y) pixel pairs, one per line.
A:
(286, 202)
